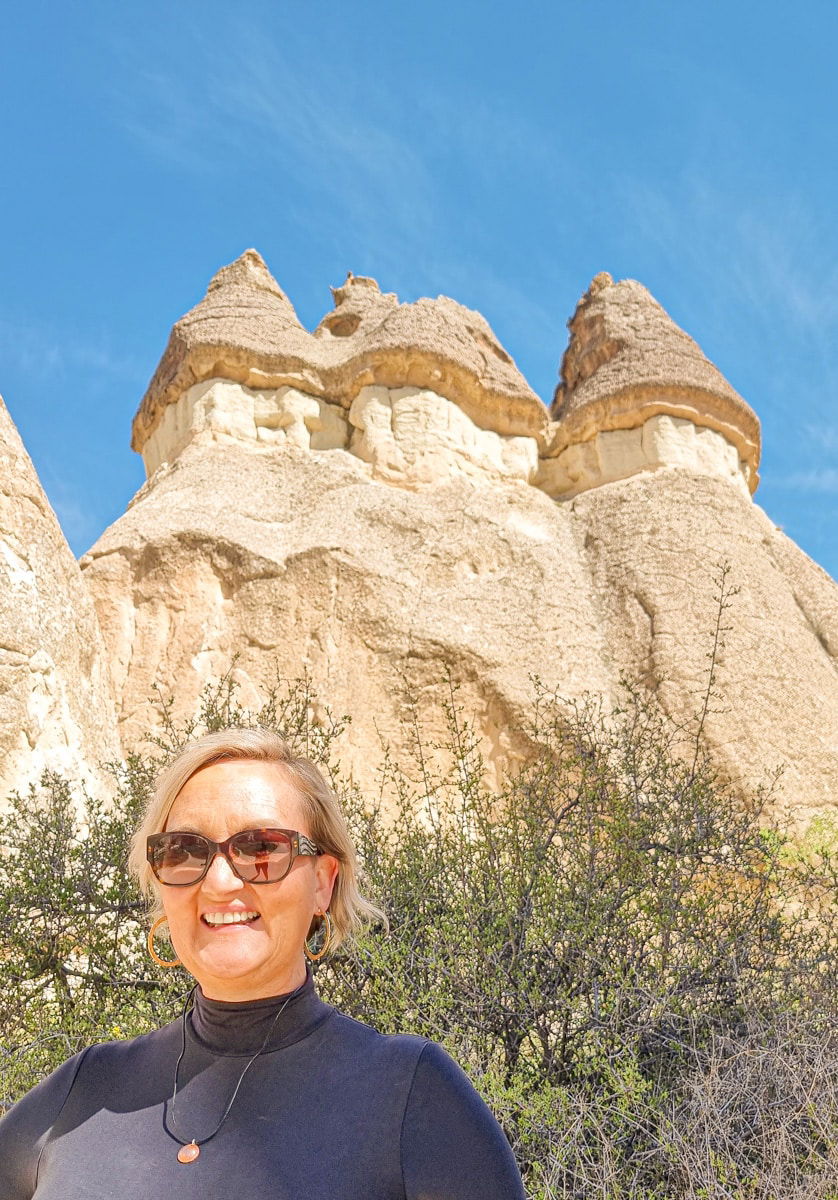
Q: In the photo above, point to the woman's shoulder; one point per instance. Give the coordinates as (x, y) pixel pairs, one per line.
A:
(48, 1095)
(395, 1045)
(60, 1081)
(405, 1051)
(385, 1055)
(450, 1143)
(125, 1053)
(27, 1124)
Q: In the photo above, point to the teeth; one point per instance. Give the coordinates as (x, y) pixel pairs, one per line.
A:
(228, 918)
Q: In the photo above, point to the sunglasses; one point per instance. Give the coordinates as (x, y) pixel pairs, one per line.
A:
(255, 855)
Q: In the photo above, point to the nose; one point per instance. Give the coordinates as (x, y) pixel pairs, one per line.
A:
(220, 877)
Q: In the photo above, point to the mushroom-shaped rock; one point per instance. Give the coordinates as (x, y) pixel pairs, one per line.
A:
(437, 345)
(264, 545)
(416, 390)
(245, 329)
(637, 393)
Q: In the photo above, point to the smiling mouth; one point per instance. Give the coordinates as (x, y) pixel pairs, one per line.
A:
(216, 920)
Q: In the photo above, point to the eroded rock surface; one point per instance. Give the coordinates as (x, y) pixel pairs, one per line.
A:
(654, 547)
(56, 710)
(300, 560)
(385, 500)
(245, 330)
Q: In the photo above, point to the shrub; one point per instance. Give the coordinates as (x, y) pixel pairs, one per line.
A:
(586, 936)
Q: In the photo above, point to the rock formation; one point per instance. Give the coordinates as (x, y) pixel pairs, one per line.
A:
(56, 711)
(636, 393)
(385, 498)
(245, 331)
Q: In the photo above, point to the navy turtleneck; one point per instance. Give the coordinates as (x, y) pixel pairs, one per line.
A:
(331, 1110)
(240, 1027)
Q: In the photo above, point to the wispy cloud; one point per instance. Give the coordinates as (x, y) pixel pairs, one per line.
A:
(822, 480)
(39, 352)
(823, 437)
(249, 106)
(754, 287)
(370, 165)
(765, 247)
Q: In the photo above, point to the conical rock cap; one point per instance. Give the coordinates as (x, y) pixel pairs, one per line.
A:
(245, 329)
(245, 321)
(627, 360)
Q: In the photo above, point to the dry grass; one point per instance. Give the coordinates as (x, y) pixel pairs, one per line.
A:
(759, 1120)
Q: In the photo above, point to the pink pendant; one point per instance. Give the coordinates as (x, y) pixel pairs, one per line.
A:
(188, 1154)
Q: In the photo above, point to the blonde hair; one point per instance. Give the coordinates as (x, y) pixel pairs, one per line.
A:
(349, 910)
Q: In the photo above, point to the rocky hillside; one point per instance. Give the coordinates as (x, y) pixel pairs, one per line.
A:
(385, 499)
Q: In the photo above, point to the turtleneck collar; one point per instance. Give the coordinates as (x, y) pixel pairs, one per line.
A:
(240, 1027)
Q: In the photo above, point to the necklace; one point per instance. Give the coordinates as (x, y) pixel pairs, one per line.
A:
(189, 1151)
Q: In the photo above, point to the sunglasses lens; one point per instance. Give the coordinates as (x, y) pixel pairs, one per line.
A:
(179, 858)
(261, 855)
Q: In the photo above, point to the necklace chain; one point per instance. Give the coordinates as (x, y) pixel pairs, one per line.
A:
(170, 1123)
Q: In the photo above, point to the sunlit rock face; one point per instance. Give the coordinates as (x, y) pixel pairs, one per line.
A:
(300, 560)
(409, 436)
(56, 710)
(385, 501)
(660, 442)
(655, 547)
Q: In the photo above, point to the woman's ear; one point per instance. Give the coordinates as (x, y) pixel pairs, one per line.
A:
(326, 869)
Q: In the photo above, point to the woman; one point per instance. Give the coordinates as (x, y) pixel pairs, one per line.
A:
(261, 1089)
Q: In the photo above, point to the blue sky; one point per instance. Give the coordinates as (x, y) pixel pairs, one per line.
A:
(498, 155)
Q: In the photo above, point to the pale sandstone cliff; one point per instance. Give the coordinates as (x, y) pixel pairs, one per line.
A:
(56, 711)
(386, 498)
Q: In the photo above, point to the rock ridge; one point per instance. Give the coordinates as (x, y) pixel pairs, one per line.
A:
(57, 711)
(384, 503)
(246, 330)
(419, 390)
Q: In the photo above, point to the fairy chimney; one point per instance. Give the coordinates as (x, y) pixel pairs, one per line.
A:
(637, 394)
(384, 503)
(414, 390)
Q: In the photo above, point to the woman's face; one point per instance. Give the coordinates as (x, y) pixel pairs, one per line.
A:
(264, 956)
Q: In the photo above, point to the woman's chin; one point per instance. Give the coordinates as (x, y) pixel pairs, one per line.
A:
(230, 954)
(244, 965)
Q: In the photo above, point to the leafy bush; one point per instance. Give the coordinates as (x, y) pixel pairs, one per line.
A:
(633, 964)
(589, 936)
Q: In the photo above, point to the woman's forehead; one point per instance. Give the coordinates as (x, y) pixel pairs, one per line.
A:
(241, 793)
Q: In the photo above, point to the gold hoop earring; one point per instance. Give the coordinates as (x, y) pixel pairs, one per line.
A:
(161, 962)
(315, 956)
